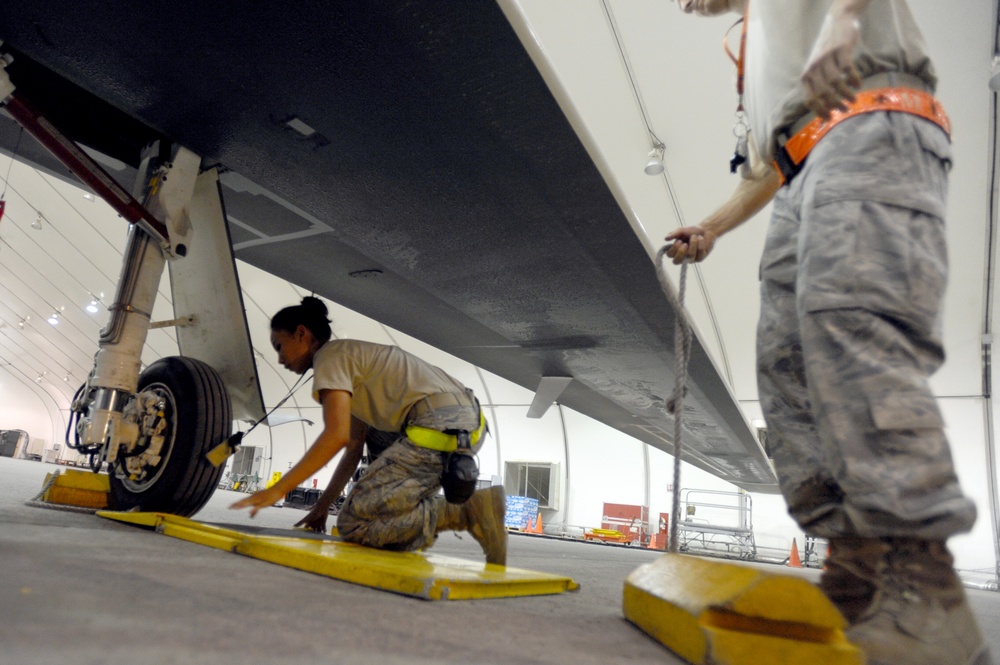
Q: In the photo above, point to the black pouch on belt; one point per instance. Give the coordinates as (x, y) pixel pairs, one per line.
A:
(461, 471)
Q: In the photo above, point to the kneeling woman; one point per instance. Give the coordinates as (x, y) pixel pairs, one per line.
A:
(396, 504)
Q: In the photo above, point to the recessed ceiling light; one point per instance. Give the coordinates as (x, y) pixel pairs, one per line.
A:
(54, 319)
(37, 224)
(90, 197)
(92, 307)
(300, 127)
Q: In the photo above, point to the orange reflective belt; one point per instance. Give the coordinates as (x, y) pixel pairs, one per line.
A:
(790, 157)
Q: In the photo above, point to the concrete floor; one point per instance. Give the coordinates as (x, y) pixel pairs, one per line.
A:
(76, 589)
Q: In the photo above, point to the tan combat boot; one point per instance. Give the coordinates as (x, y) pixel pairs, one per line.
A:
(851, 573)
(483, 517)
(919, 614)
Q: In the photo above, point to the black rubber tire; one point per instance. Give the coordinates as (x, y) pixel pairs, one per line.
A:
(199, 417)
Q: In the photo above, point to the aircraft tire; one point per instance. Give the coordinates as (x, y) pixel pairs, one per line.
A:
(199, 417)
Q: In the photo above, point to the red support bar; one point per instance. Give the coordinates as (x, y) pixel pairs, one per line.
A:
(83, 167)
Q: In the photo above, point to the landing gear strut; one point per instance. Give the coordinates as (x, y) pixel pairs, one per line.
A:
(152, 430)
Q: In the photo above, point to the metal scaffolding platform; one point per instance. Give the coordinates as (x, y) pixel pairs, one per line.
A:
(699, 535)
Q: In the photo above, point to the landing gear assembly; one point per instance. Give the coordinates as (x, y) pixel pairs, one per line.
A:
(153, 429)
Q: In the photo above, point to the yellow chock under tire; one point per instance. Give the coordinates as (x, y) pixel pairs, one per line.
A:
(82, 489)
(715, 613)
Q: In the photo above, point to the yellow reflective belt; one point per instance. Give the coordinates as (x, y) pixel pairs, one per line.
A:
(439, 441)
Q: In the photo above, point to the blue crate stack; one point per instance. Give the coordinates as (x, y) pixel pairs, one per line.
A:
(520, 509)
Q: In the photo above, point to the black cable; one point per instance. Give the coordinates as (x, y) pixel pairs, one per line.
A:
(235, 439)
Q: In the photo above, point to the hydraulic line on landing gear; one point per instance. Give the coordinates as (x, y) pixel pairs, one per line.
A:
(94, 452)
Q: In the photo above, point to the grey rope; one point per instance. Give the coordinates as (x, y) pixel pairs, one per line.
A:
(36, 501)
(47, 486)
(675, 403)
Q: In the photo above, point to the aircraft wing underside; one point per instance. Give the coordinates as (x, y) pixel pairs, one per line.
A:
(413, 138)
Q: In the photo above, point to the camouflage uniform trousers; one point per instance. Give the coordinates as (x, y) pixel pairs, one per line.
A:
(395, 505)
(852, 279)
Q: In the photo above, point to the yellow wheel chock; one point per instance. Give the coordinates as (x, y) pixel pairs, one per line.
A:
(418, 574)
(715, 613)
(83, 489)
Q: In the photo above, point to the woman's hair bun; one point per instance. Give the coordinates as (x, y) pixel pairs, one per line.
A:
(311, 313)
(314, 305)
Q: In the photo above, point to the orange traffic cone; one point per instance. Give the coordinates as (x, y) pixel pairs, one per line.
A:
(528, 527)
(654, 542)
(793, 559)
(537, 527)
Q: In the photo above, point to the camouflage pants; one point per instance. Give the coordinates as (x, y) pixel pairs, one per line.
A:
(852, 280)
(395, 505)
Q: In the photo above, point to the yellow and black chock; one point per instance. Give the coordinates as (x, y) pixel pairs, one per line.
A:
(716, 613)
(81, 489)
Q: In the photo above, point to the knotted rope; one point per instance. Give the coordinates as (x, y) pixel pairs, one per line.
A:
(36, 501)
(675, 403)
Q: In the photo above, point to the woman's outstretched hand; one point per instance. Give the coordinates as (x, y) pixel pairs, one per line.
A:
(258, 500)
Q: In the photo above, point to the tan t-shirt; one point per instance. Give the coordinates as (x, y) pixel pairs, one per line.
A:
(384, 381)
(780, 38)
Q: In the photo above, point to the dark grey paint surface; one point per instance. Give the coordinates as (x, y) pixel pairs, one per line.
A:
(439, 158)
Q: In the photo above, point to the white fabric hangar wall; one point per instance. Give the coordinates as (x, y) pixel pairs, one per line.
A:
(27, 407)
(606, 466)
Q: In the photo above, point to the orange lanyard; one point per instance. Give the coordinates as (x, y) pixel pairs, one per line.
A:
(740, 62)
(741, 130)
